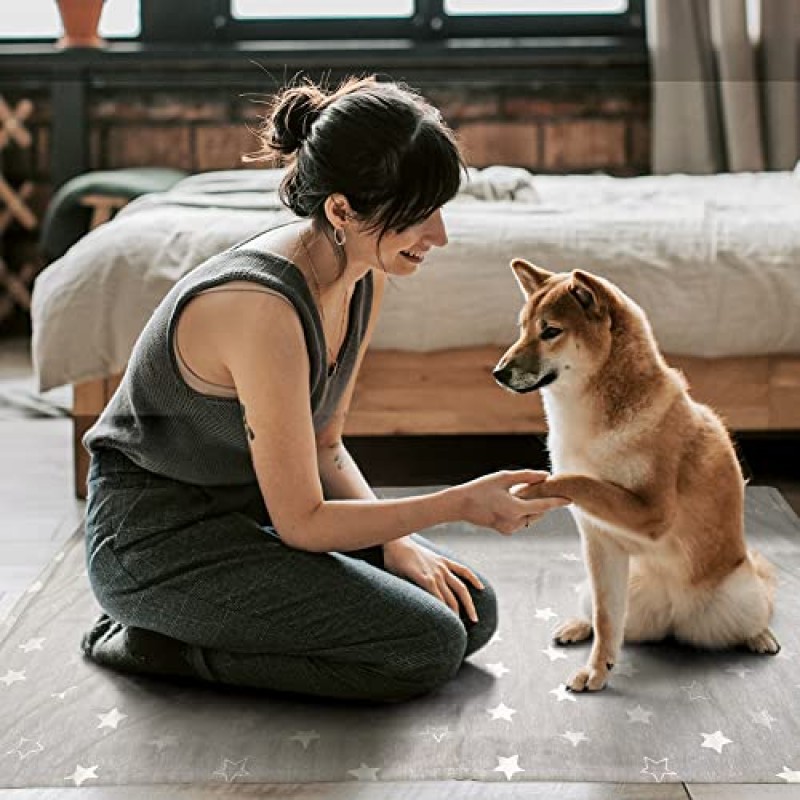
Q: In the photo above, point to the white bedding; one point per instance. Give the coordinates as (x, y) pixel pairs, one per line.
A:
(714, 260)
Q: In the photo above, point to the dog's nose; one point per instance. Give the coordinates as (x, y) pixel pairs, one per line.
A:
(502, 374)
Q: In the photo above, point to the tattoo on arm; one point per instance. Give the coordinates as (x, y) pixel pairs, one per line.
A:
(248, 430)
(338, 461)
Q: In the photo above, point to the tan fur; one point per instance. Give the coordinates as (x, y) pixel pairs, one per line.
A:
(656, 488)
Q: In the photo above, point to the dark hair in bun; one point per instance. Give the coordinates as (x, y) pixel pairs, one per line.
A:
(380, 144)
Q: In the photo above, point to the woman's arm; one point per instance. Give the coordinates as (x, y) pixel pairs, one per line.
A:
(262, 347)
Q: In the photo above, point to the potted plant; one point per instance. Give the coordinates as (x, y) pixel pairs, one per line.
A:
(80, 19)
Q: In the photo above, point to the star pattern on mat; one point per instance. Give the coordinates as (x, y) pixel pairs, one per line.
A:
(574, 737)
(305, 738)
(82, 774)
(231, 770)
(715, 741)
(498, 669)
(789, 775)
(639, 714)
(436, 732)
(32, 644)
(111, 719)
(694, 691)
(509, 766)
(502, 711)
(762, 717)
(562, 693)
(365, 773)
(554, 653)
(658, 770)
(545, 613)
(23, 749)
(13, 676)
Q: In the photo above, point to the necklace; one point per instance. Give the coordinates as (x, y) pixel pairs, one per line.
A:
(333, 360)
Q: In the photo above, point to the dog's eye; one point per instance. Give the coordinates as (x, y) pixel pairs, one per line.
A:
(549, 332)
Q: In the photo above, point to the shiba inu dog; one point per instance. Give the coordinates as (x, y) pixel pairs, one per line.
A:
(655, 484)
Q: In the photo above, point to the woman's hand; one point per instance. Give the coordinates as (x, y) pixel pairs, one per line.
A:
(438, 575)
(492, 501)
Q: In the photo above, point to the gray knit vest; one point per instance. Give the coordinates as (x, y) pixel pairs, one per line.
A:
(162, 424)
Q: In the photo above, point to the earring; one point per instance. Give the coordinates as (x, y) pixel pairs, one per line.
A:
(339, 237)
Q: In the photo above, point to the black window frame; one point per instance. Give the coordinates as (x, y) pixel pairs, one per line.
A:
(210, 21)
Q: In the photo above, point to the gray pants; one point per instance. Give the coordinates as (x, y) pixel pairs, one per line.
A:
(195, 582)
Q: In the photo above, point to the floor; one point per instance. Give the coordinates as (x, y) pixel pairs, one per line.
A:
(39, 513)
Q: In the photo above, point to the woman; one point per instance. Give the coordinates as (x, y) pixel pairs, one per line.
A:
(230, 535)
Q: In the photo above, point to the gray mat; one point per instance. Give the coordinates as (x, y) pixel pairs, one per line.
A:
(671, 714)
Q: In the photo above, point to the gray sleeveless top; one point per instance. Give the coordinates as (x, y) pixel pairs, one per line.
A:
(162, 424)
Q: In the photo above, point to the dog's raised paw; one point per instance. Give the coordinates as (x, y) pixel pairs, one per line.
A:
(588, 679)
(573, 631)
(764, 643)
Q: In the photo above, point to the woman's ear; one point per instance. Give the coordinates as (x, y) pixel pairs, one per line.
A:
(338, 210)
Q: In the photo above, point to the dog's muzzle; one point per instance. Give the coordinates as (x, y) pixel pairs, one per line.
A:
(521, 381)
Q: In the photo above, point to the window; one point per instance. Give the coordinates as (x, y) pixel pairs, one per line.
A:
(426, 19)
(39, 19)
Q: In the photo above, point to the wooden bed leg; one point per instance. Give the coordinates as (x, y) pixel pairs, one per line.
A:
(88, 401)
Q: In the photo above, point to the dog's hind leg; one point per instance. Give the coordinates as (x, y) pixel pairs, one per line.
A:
(649, 613)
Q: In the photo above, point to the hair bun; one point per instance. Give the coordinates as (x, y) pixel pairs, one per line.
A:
(294, 113)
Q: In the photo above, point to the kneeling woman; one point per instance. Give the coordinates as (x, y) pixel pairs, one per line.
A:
(230, 536)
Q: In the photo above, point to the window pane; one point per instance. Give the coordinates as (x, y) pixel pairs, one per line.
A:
(39, 19)
(301, 9)
(456, 7)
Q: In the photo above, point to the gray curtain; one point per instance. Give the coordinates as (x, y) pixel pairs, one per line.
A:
(726, 94)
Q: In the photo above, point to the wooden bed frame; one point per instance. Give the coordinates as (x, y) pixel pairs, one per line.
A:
(453, 392)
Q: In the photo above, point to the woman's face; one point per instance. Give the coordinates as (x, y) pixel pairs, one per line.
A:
(402, 252)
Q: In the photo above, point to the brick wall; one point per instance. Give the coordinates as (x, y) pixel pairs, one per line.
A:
(554, 129)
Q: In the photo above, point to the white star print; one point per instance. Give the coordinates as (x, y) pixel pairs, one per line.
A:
(553, 653)
(763, 717)
(562, 693)
(496, 637)
(715, 741)
(639, 714)
(111, 718)
(31, 644)
(657, 769)
(82, 774)
(236, 767)
(693, 690)
(742, 672)
(502, 712)
(13, 677)
(498, 669)
(509, 766)
(305, 738)
(545, 613)
(436, 732)
(789, 775)
(167, 740)
(364, 773)
(28, 751)
(575, 737)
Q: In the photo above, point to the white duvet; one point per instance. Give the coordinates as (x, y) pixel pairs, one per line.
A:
(714, 260)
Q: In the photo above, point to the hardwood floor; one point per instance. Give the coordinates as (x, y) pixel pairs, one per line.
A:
(38, 513)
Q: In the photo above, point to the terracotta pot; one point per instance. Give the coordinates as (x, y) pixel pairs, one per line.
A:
(80, 19)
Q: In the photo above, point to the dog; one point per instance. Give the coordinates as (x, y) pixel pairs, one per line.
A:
(652, 475)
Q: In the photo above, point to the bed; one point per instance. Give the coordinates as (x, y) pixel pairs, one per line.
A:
(714, 260)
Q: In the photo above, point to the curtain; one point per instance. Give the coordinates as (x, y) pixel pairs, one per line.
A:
(726, 95)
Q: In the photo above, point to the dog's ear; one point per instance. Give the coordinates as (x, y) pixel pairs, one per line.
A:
(588, 292)
(529, 278)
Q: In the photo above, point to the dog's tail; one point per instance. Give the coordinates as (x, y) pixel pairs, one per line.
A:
(766, 572)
